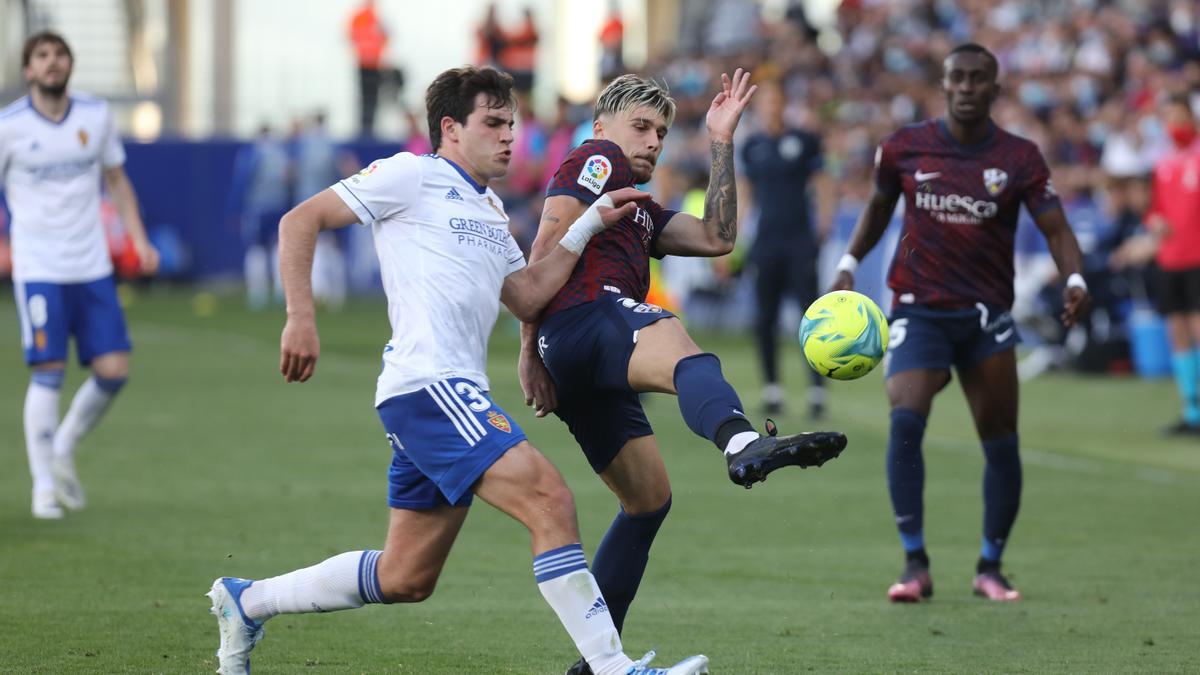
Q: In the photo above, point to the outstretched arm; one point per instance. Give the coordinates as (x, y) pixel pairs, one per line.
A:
(715, 233)
(527, 291)
(299, 345)
(872, 223)
(1065, 249)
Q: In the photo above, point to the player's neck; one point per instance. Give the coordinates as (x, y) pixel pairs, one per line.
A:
(449, 153)
(51, 106)
(969, 133)
(774, 130)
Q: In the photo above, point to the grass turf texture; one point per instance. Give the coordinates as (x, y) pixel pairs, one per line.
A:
(210, 465)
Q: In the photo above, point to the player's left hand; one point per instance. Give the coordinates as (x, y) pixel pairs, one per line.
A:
(147, 256)
(727, 107)
(1076, 303)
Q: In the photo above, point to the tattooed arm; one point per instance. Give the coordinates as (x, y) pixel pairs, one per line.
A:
(715, 233)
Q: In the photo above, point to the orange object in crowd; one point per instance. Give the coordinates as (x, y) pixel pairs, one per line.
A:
(368, 37)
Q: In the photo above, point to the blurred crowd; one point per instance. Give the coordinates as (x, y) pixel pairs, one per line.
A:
(1083, 79)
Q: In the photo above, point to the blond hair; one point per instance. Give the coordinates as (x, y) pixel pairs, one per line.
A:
(630, 91)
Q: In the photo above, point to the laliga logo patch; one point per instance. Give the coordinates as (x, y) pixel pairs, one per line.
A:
(994, 180)
(595, 173)
(499, 421)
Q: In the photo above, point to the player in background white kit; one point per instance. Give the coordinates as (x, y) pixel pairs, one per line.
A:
(447, 260)
(54, 149)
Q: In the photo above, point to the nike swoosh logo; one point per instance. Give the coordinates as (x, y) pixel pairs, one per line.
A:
(1001, 337)
(922, 177)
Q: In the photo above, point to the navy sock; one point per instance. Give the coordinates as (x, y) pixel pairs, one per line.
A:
(706, 400)
(906, 476)
(1001, 493)
(622, 556)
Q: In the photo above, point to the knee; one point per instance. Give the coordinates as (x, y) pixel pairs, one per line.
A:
(652, 499)
(114, 368)
(397, 589)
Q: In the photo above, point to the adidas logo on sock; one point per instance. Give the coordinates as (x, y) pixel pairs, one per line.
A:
(453, 194)
(598, 607)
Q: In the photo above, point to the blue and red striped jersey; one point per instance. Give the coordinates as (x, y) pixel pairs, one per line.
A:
(960, 212)
(618, 259)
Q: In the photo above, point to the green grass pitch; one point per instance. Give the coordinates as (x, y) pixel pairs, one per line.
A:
(210, 465)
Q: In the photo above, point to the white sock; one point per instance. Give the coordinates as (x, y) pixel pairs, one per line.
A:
(328, 586)
(41, 419)
(88, 406)
(570, 589)
(256, 267)
(740, 441)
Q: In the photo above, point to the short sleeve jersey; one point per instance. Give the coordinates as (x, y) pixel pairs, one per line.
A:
(779, 169)
(1176, 197)
(961, 205)
(444, 251)
(50, 173)
(618, 259)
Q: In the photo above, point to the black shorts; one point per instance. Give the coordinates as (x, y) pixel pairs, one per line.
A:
(1179, 291)
(586, 348)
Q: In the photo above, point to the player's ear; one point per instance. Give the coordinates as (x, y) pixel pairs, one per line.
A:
(597, 128)
(450, 128)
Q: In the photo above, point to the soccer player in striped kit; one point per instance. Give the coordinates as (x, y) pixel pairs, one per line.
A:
(963, 180)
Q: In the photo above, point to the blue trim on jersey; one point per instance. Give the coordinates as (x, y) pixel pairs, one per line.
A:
(59, 123)
(466, 176)
(976, 147)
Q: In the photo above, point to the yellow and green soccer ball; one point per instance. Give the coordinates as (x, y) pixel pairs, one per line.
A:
(844, 335)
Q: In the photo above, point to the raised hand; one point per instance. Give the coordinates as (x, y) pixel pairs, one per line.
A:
(727, 107)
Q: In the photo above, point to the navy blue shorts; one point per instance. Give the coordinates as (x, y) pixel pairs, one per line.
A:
(936, 339)
(51, 313)
(586, 349)
(444, 438)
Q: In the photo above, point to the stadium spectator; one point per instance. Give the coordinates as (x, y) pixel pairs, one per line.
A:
(780, 163)
(518, 52)
(55, 147)
(369, 38)
(261, 179)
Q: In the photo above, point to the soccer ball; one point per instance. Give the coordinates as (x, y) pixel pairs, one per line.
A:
(844, 335)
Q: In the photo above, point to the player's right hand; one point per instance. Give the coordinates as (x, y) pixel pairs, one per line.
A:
(844, 281)
(624, 204)
(536, 383)
(299, 347)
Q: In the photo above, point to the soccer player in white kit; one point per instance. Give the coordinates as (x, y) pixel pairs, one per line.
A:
(54, 149)
(447, 261)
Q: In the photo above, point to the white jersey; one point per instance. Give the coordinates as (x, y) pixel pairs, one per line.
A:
(50, 172)
(444, 250)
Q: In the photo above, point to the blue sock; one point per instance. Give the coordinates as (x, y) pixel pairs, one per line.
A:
(1001, 493)
(1186, 365)
(706, 400)
(622, 556)
(906, 476)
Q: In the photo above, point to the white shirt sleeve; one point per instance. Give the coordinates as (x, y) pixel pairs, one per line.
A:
(385, 188)
(114, 150)
(516, 259)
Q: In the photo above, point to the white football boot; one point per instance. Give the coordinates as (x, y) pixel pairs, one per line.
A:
(238, 633)
(67, 487)
(692, 665)
(45, 506)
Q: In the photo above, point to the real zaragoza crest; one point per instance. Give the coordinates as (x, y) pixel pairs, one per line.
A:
(994, 180)
(499, 421)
